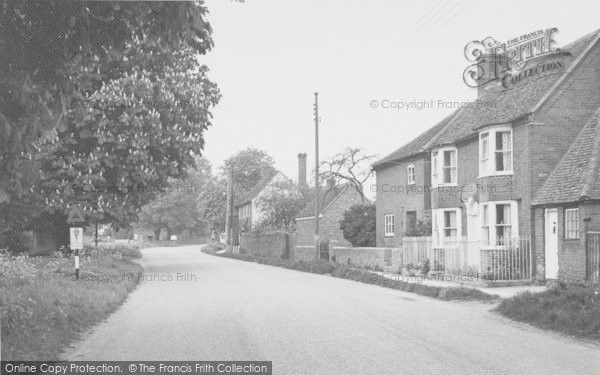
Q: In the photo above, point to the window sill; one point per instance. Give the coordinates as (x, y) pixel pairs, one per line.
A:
(509, 173)
(389, 235)
(571, 239)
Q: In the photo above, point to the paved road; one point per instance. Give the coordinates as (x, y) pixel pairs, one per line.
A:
(312, 324)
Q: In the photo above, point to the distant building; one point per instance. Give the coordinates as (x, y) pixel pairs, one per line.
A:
(334, 201)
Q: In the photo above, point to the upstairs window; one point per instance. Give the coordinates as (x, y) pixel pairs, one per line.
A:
(495, 152)
(450, 167)
(410, 174)
(434, 168)
(444, 171)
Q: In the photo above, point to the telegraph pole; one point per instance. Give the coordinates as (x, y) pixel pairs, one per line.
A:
(317, 250)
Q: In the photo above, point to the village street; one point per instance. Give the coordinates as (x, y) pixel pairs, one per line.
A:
(197, 306)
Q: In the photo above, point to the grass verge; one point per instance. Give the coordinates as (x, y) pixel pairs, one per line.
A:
(43, 308)
(567, 308)
(343, 271)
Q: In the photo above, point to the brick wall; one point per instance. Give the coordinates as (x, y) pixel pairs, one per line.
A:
(394, 196)
(386, 258)
(561, 118)
(389, 259)
(277, 245)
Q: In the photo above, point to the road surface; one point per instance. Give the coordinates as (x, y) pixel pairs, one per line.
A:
(314, 324)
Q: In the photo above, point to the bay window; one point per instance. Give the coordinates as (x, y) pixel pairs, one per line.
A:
(444, 167)
(446, 225)
(495, 152)
(499, 223)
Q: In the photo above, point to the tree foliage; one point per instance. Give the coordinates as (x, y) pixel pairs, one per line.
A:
(358, 225)
(280, 204)
(107, 99)
(174, 210)
(41, 41)
(247, 167)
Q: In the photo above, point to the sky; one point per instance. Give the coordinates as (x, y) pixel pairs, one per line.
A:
(360, 56)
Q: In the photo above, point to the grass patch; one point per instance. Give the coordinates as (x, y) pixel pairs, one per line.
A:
(364, 276)
(567, 308)
(43, 308)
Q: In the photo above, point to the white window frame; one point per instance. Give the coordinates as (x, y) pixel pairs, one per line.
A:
(434, 168)
(438, 167)
(410, 174)
(492, 240)
(571, 223)
(490, 169)
(438, 225)
(389, 225)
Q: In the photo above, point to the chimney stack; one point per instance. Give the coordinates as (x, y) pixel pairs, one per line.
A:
(302, 169)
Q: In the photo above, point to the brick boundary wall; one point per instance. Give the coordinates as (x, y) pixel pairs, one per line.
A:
(388, 258)
(274, 245)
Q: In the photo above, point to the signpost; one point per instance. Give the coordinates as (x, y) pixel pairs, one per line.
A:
(76, 234)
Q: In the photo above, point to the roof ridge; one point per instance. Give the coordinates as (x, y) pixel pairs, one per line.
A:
(594, 161)
(571, 67)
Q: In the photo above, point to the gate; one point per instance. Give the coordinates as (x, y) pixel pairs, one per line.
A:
(592, 257)
(324, 250)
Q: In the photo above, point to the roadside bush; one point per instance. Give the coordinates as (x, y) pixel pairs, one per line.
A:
(568, 308)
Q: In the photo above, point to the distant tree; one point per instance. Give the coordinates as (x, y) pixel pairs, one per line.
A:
(349, 166)
(358, 225)
(247, 167)
(280, 204)
(175, 210)
(212, 203)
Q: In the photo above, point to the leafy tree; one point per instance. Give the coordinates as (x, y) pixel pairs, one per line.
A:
(349, 166)
(280, 204)
(135, 111)
(175, 210)
(212, 203)
(358, 225)
(42, 41)
(247, 168)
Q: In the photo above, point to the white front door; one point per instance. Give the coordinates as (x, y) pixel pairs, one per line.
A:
(551, 244)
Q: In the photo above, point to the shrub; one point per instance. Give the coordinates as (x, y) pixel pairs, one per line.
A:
(568, 308)
(358, 225)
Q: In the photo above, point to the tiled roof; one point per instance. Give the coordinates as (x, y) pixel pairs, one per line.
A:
(327, 196)
(255, 191)
(576, 177)
(415, 146)
(503, 106)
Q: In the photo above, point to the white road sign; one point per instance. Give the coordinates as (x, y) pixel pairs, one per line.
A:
(76, 238)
